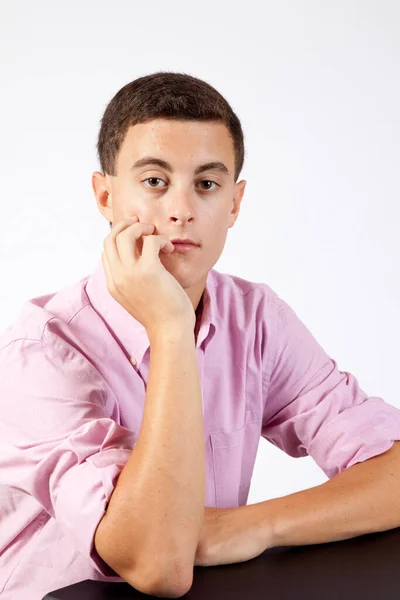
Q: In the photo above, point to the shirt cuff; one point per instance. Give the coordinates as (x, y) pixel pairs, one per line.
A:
(358, 433)
(82, 499)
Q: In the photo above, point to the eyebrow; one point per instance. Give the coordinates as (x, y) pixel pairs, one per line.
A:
(152, 160)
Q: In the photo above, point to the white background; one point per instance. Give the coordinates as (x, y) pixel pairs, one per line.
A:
(316, 86)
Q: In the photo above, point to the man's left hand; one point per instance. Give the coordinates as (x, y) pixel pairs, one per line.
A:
(231, 535)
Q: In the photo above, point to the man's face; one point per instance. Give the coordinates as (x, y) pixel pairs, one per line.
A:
(179, 201)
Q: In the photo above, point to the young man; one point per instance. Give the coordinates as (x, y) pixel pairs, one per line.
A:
(133, 402)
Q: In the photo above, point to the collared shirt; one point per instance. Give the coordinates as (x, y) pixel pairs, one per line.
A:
(73, 373)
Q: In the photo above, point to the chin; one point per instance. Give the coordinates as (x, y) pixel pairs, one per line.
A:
(186, 280)
(187, 275)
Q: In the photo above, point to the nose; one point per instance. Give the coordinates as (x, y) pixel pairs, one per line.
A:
(181, 209)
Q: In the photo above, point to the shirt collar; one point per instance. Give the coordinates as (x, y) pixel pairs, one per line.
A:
(130, 333)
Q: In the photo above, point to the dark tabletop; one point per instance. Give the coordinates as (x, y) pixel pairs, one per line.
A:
(362, 568)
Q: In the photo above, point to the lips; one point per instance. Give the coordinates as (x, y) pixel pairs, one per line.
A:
(186, 241)
(182, 248)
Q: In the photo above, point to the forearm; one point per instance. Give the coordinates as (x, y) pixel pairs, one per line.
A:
(362, 499)
(156, 511)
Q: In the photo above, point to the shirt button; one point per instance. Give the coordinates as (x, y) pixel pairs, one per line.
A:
(133, 360)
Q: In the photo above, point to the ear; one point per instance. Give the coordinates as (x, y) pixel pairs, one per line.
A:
(102, 191)
(237, 200)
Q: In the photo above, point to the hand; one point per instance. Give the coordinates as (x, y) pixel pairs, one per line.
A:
(137, 279)
(231, 535)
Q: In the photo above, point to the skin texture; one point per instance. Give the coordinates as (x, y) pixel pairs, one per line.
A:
(178, 204)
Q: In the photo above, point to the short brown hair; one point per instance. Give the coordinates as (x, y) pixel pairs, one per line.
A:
(164, 95)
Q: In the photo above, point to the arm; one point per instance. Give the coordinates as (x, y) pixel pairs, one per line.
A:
(363, 499)
(312, 408)
(150, 531)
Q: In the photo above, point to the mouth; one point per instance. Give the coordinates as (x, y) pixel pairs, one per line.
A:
(183, 247)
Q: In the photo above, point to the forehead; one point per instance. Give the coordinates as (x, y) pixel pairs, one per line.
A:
(198, 140)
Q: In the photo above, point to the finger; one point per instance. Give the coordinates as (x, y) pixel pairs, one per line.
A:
(129, 243)
(110, 245)
(152, 245)
(115, 242)
(120, 225)
(168, 248)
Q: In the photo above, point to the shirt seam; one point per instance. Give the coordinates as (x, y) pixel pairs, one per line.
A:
(23, 339)
(75, 314)
(273, 362)
(103, 381)
(30, 339)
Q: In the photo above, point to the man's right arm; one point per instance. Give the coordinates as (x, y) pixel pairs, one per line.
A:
(151, 529)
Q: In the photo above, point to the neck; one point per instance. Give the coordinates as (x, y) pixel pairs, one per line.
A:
(199, 312)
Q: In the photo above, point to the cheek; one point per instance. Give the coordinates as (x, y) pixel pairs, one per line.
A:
(142, 210)
(147, 215)
(218, 223)
(217, 231)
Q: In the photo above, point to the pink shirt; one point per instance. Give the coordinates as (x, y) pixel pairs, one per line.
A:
(73, 373)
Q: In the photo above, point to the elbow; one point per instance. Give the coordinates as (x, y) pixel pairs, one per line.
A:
(159, 575)
(164, 587)
(172, 582)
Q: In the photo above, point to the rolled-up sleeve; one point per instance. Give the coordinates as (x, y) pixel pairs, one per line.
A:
(57, 442)
(313, 408)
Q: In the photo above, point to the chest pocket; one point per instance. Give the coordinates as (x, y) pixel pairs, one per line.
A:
(233, 457)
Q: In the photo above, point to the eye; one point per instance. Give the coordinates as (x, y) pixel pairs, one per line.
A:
(207, 181)
(154, 183)
(153, 180)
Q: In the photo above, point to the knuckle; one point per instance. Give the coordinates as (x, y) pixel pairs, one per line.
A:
(137, 230)
(150, 240)
(134, 230)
